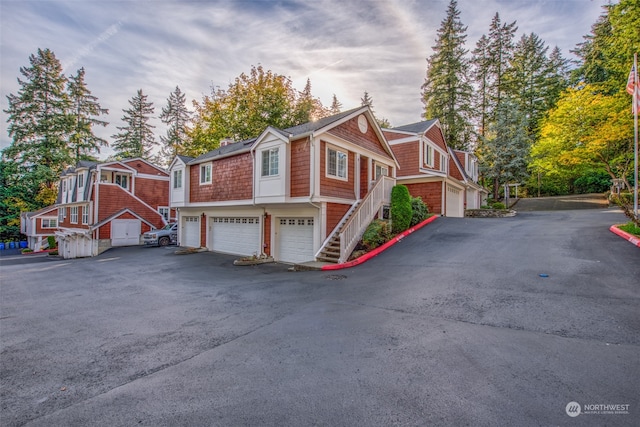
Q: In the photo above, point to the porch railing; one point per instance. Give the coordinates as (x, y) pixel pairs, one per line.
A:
(354, 228)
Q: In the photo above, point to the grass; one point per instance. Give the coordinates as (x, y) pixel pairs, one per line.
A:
(630, 228)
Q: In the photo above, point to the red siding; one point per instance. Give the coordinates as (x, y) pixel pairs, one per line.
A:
(369, 140)
(331, 187)
(203, 231)
(105, 230)
(435, 135)
(408, 155)
(231, 180)
(431, 193)
(144, 167)
(154, 192)
(114, 198)
(335, 212)
(364, 176)
(299, 168)
(454, 171)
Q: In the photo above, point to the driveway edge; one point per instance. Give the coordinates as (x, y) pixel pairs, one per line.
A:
(627, 236)
(379, 249)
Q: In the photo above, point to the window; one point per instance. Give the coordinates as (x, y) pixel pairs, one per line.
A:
(64, 185)
(74, 214)
(62, 214)
(49, 223)
(85, 215)
(381, 170)
(270, 162)
(122, 180)
(443, 163)
(205, 174)
(177, 178)
(164, 211)
(336, 163)
(81, 180)
(428, 155)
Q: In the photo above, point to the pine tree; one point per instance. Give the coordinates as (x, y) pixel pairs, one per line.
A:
(367, 100)
(176, 116)
(137, 138)
(557, 77)
(336, 106)
(446, 91)
(84, 111)
(500, 50)
(39, 122)
(526, 79)
(504, 154)
(481, 73)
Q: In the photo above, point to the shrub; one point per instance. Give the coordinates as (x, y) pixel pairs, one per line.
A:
(630, 228)
(52, 242)
(400, 208)
(485, 207)
(420, 211)
(377, 233)
(498, 205)
(27, 251)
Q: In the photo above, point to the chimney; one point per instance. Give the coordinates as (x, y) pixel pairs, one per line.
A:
(226, 141)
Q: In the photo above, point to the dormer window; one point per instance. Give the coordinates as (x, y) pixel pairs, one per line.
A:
(428, 155)
(122, 180)
(177, 179)
(80, 180)
(270, 162)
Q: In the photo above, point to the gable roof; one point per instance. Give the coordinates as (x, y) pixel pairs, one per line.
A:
(224, 151)
(418, 127)
(313, 126)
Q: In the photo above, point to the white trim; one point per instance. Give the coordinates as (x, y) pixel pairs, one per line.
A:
(337, 150)
(200, 166)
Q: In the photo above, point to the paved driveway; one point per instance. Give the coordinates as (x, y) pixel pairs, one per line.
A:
(452, 326)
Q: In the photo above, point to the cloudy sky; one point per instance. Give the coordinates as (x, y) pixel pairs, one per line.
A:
(345, 47)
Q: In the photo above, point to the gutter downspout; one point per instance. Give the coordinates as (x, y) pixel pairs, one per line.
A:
(253, 198)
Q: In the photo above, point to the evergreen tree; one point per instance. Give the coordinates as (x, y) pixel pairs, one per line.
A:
(336, 106)
(446, 91)
(367, 100)
(84, 111)
(557, 79)
(309, 108)
(480, 73)
(39, 122)
(500, 49)
(504, 153)
(137, 138)
(527, 79)
(176, 116)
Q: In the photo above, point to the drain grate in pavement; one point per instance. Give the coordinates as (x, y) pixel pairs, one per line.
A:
(335, 277)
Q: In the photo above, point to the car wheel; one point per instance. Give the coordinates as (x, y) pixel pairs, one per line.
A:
(164, 241)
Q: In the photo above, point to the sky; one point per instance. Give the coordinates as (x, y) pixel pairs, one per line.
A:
(345, 47)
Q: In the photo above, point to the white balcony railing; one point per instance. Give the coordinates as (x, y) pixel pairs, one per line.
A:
(354, 228)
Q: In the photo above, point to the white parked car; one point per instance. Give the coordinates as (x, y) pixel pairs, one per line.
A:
(167, 235)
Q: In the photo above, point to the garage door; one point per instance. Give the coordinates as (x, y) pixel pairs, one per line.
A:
(295, 240)
(190, 232)
(455, 202)
(235, 235)
(125, 232)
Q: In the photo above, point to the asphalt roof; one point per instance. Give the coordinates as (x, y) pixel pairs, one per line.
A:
(418, 127)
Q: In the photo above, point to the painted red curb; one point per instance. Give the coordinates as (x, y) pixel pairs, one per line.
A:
(627, 236)
(379, 249)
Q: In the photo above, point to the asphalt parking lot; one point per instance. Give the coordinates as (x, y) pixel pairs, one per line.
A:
(452, 326)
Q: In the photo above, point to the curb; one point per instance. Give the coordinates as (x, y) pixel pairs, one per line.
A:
(379, 249)
(627, 236)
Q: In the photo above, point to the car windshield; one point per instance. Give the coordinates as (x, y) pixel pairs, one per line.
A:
(167, 227)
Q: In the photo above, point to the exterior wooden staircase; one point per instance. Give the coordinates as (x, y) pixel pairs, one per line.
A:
(343, 239)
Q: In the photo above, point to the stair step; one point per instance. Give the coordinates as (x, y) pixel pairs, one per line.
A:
(327, 259)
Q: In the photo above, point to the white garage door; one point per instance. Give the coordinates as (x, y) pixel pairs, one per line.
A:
(190, 232)
(295, 240)
(125, 232)
(236, 235)
(455, 202)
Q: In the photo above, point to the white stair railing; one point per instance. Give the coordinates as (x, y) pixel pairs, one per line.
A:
(355, 227)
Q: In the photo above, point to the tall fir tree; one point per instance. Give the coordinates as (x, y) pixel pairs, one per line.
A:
(39, 121)
(481, 75)
(137, 138)
(557, 77)
(367, 100)
(446, 92)
(84, 111)
(500, 49)
(336, 106)
(527, 78)
(177, 117)
(504, 153)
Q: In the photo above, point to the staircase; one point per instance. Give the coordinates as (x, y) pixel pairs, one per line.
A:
(344, 238)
